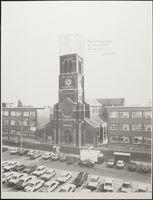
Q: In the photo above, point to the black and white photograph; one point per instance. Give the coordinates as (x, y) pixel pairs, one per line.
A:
(76, 99)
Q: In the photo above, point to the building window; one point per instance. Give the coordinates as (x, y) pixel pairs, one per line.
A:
(147, 141)
(119, 139)
(147, 127)
(12, 113)
(18, 113)
(136, 127)
(125, 127)
(70, 66)
(26, 114)
(124, 114)
(113, 115)
(32, 114)
(114, 127)
(147, 114)
(5, 122)
(137, 114)
(65, 66)
(67, 122)
(5, 113)
(12, 122)
(32, 123)
(138, 140)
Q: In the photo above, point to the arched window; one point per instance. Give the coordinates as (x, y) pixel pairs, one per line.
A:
(70, 66)
(65, 66)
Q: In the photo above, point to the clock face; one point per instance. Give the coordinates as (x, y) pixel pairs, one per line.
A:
(68, 82)
(67, 110)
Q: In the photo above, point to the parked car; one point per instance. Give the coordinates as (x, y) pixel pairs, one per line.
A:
(14, 179)
(19, 167)
(100, 188)
(126, 187)
(23, 181)
(23, 152)
(4, 148)
(6, 176)
(35, 155)
(71, 160)
(14, 151)
(120, 164)
(55, 156)
(145, 168)
(80, 179)
(63, 158)
(47, 155)
(142, 188)
(110, 163)
(100, 158)
(68, 188)
(30, 152)
(108, 185)
(39, 171)
(34, 185)
(4, 163)
(48, 174)
(11, 165)
(30, 168)
(86, 163)
(49, 186)
(93, 182)
(132, 166)
(64, 177)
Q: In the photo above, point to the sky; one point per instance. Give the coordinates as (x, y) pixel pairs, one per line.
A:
(30, 49)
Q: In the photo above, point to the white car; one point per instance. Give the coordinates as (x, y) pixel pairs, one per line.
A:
(94, 182)
(48, 174)
(142, 188)
(126, 187)
(22, 182)
(49, 186)
(120, 164)
(14, 151)
(47, 155)
(39, 171)
(108, 185)
(110, 163)
(33, 185)
(10, 165)
(85, 190)
(6, 176)
(64, 177)
(14, 179)
(68, 188)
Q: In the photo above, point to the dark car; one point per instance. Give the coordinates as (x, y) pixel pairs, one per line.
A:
(86, 163)
(63, 158)
(71, 160)
(80, 179)
(100, 188)
(132, 166)
(18, 167)
(35, 155)
(4, 149)
(23, 152)
(30, 168)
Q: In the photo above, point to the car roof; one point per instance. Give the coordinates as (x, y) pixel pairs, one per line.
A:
(50, 170)
(140, 186)
(65, 172)
(120, 161)
(108, 180)
(68, 185)
(50, 182)
(41, 166)
(94, 176)
(36, 180)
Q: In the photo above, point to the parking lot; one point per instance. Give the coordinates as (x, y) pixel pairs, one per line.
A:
(118, 175)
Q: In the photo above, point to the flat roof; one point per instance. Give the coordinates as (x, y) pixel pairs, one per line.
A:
(121, 153)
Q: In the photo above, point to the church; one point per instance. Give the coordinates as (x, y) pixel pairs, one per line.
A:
(76, 122)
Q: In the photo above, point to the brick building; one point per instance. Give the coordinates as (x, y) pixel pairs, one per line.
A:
(129, 126)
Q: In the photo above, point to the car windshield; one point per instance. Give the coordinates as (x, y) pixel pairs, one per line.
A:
(125, 185)
(108, 184)
(14, 177)
(46, 186)
(39, 169)
(31, 184)
(93, 180)
(80, 176)
(63, 175)
(48, 173)
(20, 181)
(120, 162)
(62, 190)
(53, 184)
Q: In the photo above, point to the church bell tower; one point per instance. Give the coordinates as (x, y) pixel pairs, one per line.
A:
(69, 112)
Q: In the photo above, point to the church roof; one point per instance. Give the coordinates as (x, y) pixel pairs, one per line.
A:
(112, 101)
(95, 121)
(93, 102)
